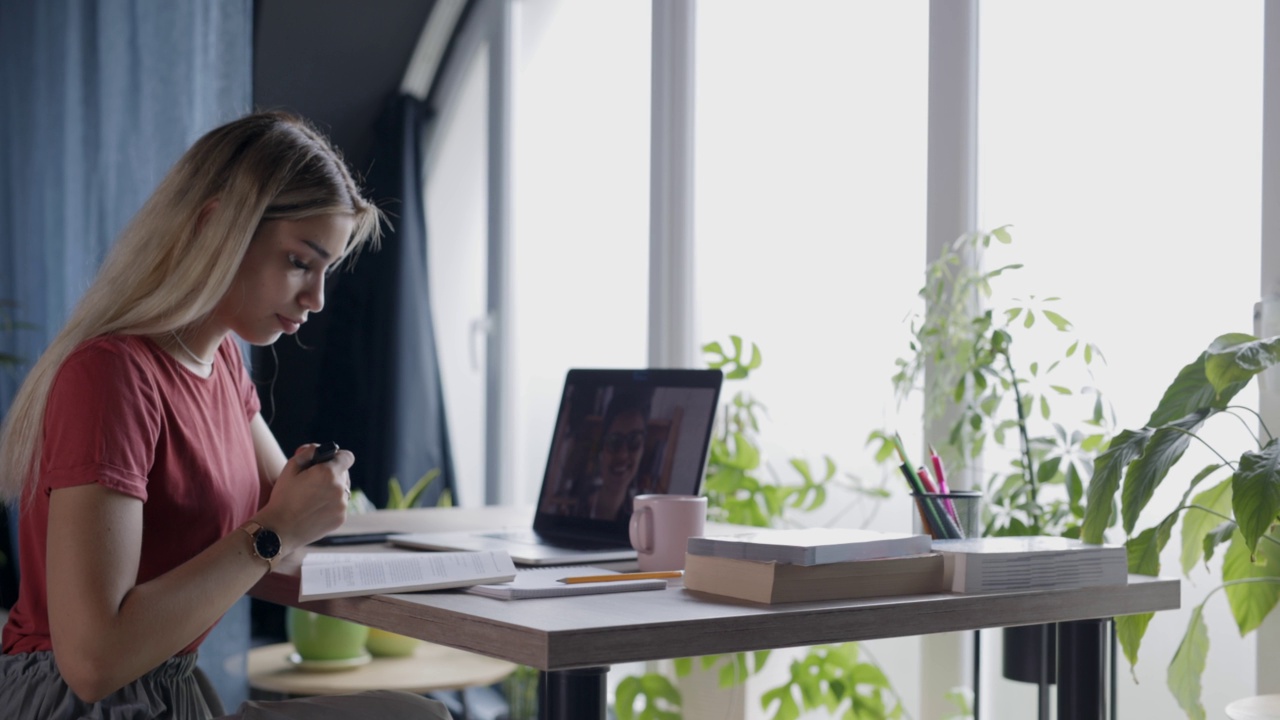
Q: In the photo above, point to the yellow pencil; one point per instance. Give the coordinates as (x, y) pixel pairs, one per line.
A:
(617, 577)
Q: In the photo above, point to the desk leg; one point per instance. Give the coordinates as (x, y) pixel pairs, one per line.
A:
(579, 694)
(1082, 664)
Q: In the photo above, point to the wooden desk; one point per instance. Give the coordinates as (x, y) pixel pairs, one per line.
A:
(575, 639)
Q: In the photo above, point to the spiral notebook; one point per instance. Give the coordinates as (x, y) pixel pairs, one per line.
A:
(545, 582)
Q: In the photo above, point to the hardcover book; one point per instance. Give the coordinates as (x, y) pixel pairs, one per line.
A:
(1026, 563)
(810, 546)
(773, 582)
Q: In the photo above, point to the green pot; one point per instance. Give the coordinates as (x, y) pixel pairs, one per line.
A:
(320, 637)
(382, 643)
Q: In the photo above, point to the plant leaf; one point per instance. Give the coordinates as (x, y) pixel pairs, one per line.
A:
(1235, 358)
(1197, 523)
(1129, 631)
(1108, 468)
(1191, 391)
(1188, 664)
(1058, 321)
(1250, 602)
(1163, 450)
(1256, 492)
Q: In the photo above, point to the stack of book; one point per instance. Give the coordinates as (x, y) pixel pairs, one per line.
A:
(995, 564)
(779, 566)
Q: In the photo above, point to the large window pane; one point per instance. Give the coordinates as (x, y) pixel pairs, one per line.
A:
(811, 144)
(580, 185)
(1123, 142)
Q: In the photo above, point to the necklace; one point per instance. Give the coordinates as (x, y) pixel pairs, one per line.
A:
(194, 358)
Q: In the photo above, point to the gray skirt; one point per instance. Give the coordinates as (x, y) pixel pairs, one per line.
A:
(31, 688)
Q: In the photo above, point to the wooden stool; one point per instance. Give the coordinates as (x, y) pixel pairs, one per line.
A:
(1258, 707)
(431, 668)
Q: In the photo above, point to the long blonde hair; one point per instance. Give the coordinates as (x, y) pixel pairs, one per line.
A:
(169, 268)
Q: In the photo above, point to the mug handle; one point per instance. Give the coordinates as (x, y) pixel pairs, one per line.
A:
(641, 530)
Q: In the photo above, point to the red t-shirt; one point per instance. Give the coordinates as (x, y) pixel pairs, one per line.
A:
(126, 415)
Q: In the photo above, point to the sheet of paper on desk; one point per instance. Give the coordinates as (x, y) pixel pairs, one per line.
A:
(545, 582)
(332, 575)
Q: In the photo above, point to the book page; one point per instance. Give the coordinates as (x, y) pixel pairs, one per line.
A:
(326, 575)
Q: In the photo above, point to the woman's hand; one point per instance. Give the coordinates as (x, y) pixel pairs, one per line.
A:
(307, 503)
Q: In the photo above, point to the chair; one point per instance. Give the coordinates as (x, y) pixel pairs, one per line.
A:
(1258, 707)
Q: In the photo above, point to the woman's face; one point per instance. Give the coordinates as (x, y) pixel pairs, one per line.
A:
(281, 279)
(621, 449)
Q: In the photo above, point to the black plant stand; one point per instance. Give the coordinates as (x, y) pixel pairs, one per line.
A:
(1049, 654)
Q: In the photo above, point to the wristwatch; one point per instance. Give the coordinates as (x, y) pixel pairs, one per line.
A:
(266, 543)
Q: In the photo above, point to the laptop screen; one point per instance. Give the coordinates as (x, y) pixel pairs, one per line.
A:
(622, 433)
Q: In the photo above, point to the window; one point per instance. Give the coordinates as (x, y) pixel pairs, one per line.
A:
(1131, 174)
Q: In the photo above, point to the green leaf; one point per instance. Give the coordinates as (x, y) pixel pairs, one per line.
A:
(1235, 358)
(1197, 523)
(1129, 631)
(1188, 666)
(787, 708)
(1108, 468)
(1190, 392)
(1251, 602)
(1162, 451)
(1256, 492)
(625, 698)
(1058, 321)
(1223, 533)
(755, 357)
(1144, 548)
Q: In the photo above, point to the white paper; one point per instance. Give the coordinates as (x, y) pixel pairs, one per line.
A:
(329, 575)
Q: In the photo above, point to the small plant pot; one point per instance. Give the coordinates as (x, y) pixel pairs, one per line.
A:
(1023, 653)
(382, 643)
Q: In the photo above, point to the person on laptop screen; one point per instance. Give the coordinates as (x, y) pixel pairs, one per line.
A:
(615, 442)
(621, 447)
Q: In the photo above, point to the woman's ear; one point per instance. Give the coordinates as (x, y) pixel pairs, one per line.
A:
(205, 213)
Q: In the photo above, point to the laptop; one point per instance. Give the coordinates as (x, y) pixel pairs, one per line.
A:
(618, 434)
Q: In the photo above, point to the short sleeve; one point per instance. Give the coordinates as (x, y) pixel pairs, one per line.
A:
(240, 375)
(101, 423)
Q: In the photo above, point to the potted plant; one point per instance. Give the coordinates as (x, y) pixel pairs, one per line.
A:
(990, 398)
(1234, 501)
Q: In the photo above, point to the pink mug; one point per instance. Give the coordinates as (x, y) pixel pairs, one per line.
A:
(661, 526)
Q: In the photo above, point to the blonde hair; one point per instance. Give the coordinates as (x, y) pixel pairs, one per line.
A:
(174, 261)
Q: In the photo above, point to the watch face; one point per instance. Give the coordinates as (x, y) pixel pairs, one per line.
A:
(266, 543)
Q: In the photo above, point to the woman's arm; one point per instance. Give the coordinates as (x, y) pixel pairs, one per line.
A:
(271, 458)
(108, 631)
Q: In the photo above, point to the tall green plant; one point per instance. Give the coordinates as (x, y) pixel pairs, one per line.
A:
(995, 397)
(742, 488)
(1240, 507)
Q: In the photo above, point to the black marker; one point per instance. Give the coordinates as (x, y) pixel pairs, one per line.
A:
(324, 453)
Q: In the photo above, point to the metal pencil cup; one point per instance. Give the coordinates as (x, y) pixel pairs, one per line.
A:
(948, 516)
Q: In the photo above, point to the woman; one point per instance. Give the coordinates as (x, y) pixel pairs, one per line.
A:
(622, 445)
(153, 495)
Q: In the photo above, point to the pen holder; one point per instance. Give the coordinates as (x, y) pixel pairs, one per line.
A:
(948, 516)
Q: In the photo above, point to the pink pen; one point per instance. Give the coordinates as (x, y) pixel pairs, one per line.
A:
(942, 481)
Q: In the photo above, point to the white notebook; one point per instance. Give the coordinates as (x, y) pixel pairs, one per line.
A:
(545, 582)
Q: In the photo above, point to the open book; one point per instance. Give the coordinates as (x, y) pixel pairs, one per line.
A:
(333, 575)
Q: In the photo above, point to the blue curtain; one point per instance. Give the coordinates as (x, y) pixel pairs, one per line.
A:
(98, 98)
(380, 369)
